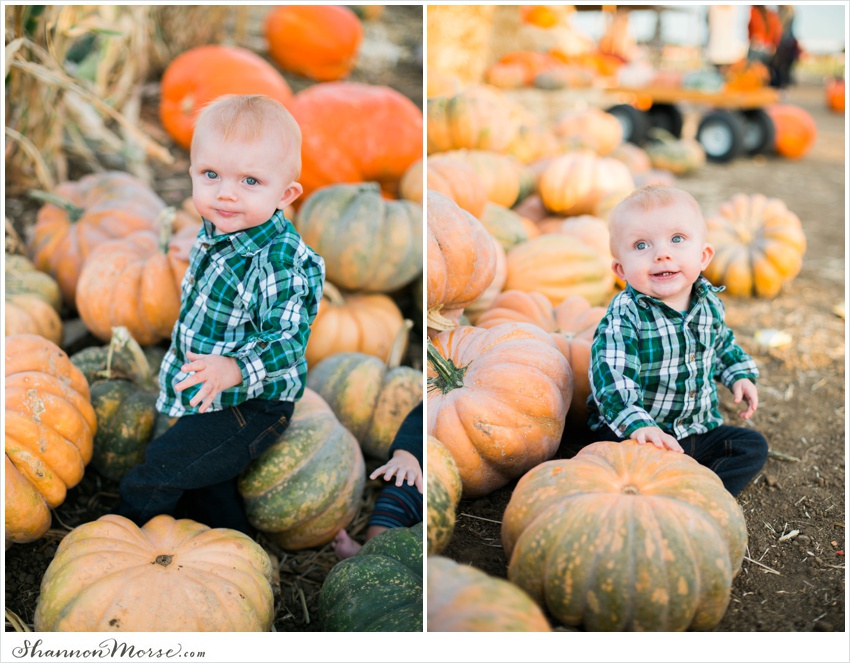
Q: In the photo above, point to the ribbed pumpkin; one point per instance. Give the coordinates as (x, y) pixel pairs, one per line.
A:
(133, 282)
(50, 425)
(796, 130)
(379, 588)
(412, 184)
(558, 266)
(758, 246)
(26, 313)
(571, 323)
(591, 128)
(202, 74)
(307, 486)
(486, 298)
(501, 174)
(625, 536)
(353, 323)
(533, 142)
(320, 42)
(477, 118)
(444, 489)
(463, 598)
(635, 158)
(23, 278)
(679, 156)
(574, 183)
(124, 389)
(369, 396)
(169, 575)
(84, 214)
(368, 243)
(457, 180)
(586, 228)
(497, 399)
(506, 226)
(461, 260)
(380, 138)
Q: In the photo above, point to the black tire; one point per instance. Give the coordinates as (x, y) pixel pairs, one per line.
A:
(667, 117)
(721, 134)
(759, 132)
(635, 123)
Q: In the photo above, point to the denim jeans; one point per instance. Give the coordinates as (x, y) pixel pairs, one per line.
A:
(191, 470)
(733, 453)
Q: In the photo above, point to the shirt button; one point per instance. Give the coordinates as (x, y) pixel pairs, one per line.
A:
(693, 393)
(262, 344)
(621, 428)
(693, 356)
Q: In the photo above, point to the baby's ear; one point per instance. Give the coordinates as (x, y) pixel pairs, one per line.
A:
(707, 255)
(290, 195)
(617, 266)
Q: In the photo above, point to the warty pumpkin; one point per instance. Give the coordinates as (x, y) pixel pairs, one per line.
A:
(464, 598)
(307, 486)
(497, 399)
(368, 243)
(476, 118)
(758, 246)
(83, 214)
(574, 183)
(625, 536)
(50, 425)
(202, 74)
(169, 575)
(317, 41)
(444, 490)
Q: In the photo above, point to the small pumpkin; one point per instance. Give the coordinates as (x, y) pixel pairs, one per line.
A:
(169, 575)
(379, 588)
(758, 246)
(459, 181)
(796, 130)
(368, 243)
(317, 41)
(307, 486)
(27, 313)
(680, 156)
(463, 598)
(50, 425)
(476, 118)
(625, 536)
(835, 94)
(444, 489)
(202, 74)
(497, 399)
(506, 226)
(572, 184)
(23, 278)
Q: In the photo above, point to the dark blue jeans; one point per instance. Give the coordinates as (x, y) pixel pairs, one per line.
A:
(733, 453)
(191, 470)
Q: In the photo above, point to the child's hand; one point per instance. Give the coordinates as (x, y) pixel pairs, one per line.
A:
(657, 437)
(214, 372)
(746, 390)
(403, 465)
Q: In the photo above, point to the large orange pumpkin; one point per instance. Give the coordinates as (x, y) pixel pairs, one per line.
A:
(198, 76)
(758, 246)
(317, 41)
(82, 215)
(796, 130)
(497, 399)
(354, 132)
(169, 575)
(477, 118)
(625, 536)
(50, 427)
(461, 260)
(574, 183)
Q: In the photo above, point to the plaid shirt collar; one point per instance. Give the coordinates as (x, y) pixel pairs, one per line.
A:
(251, 240)
(702, 287)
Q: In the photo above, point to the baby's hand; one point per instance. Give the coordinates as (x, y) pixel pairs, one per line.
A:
(657, 437)
(403, 465)
(746, 390)
(214, 372)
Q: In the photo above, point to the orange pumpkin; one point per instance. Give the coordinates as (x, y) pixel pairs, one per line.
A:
(746, 75)
(82, 215)
(459, 181)
(198, 76)
(533, 142)
(412, 186)
(571, 324)
(50, 426)
(32, 300)
(477, 118)
(317, 41)
(485, 299)
(380, 138)
(758, 246)
(497, 399)
(501, 174)
(633, 156)
(836, 96)
(574, 183)
(461, 260)
(505, 75)
(796, 130)
(592, 128)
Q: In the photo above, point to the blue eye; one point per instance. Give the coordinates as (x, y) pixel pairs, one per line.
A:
(677, 239)
(251, 181)
(640, 246)
(210, 174)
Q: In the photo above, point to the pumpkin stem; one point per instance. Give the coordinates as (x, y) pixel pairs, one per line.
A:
(436, 320)
(166, 227)
(333, 294)
(121, 338)
(448, 376)
(163, 560)
(74, 213)
(399, 345)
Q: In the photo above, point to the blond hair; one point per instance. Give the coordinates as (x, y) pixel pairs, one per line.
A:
(252, 117)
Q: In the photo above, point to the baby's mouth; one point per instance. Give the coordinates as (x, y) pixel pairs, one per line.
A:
(664, 275)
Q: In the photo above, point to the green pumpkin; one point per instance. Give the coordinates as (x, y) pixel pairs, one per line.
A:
(444, 491)
(22, 277)
(379, 588)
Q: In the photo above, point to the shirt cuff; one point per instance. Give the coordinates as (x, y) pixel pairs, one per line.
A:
(252, 367)
(629, 420)
(739, 371)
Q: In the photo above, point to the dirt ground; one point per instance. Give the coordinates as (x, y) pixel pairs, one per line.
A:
(786, 583)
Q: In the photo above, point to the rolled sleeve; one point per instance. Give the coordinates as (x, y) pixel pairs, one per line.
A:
(733, 363)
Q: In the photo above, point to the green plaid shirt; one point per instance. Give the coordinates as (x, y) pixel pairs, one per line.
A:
(653, 366)
(251, 295)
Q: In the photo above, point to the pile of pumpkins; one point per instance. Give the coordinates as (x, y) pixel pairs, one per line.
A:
(105, 247)
(518, 276)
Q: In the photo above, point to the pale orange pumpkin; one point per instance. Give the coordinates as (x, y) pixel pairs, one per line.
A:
(591, 128)
(633, 156)
(497, 399)
(501, 174)
(26, 313)
(533, 142)
(574, 183)
(485, 299)
(459, 181)
(477, 118)
(411, 186)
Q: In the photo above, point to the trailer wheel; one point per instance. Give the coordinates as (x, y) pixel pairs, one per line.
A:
(721, 134)
(759, 132)
(667, 117)
(635, 123)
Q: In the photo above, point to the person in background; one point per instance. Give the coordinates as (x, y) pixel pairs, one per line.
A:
(788, 50)
(725, 45)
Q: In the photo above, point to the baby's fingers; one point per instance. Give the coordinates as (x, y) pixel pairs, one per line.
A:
(375, 474)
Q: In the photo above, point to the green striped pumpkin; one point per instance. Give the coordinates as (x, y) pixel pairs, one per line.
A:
(444, 490)
(379, 588)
